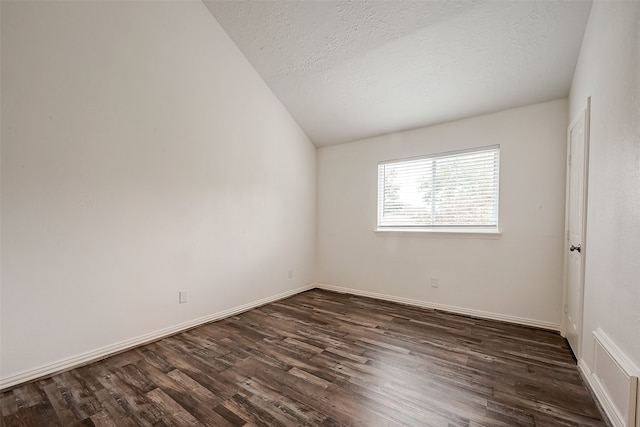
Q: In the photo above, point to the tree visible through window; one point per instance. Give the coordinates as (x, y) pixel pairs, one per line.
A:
(447, 190)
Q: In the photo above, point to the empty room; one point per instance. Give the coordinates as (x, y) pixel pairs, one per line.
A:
(320, 213)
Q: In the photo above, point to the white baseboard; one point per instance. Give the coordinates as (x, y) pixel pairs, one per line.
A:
(586, 374)
(614, 381)
(94, 355)
(449, 308)
(101, 353)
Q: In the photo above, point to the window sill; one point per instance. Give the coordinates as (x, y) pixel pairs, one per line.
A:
(471, 233)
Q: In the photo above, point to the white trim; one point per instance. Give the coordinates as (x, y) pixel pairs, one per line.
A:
(449, 308)
(620, 357)
(622, 413)
(605, 402)
(472, 233)
(627, 367)
(598, 392)
(100, 353)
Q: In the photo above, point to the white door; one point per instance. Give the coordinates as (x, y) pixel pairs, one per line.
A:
(575, 233)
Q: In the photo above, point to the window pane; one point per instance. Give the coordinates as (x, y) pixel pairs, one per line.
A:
(447, 190)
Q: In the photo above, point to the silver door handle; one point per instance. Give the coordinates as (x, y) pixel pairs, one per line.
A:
(575, 248)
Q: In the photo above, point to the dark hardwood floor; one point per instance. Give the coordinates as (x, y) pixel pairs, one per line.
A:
(322, 359)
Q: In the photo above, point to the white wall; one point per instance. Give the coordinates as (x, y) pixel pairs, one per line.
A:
(141, 155)
(609, 71)
(518, 275)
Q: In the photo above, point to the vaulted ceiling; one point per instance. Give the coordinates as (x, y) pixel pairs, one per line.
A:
(346, 70)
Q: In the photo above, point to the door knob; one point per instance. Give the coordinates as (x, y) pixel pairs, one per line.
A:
(575, 248)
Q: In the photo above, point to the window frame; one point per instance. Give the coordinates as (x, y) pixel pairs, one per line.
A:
(488, 231)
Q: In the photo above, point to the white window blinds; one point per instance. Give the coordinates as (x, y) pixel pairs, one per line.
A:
(447, 190)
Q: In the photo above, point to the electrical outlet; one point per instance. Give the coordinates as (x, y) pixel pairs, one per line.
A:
(290, 274)
(434, 282)
(183, 297)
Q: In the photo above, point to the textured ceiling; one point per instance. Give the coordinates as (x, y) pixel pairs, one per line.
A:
(352, 69)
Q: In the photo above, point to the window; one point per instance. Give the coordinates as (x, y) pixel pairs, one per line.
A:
(455, 191)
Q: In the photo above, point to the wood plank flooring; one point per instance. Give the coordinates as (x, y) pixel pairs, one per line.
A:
(322, 359)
